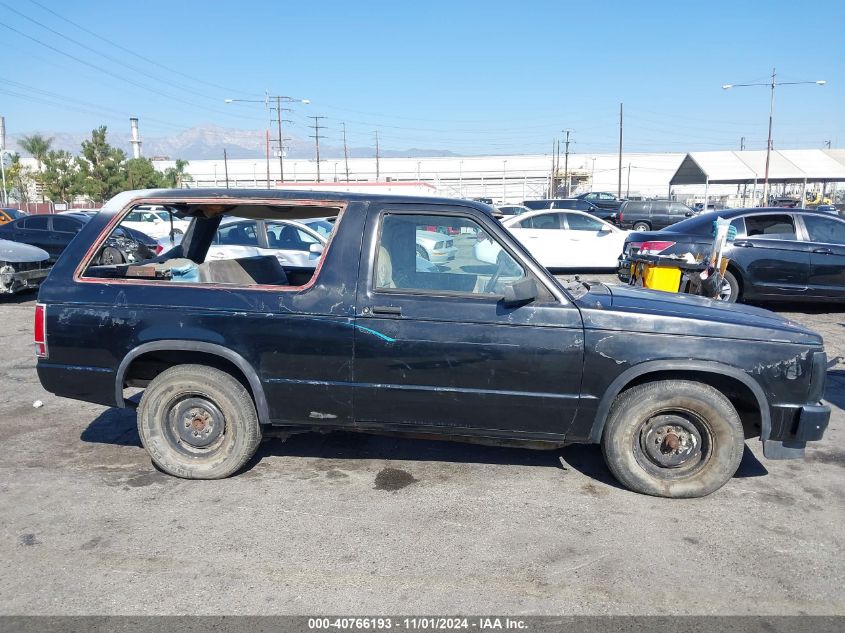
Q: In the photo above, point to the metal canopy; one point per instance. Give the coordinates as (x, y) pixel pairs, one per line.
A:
(728, 168)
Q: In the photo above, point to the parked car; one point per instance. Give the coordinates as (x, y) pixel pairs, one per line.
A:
(21, 266)
(226, 351)
(602, 199)
(698, 207)
(156, 222)
(53, 233)
(513, 209)
(10, 215)
(573, 203)
(778, 254)
(651, 215)
(562, 239)
(827, 208)
(292, 243)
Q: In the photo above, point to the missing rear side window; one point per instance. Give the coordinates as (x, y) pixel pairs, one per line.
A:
(240, 245)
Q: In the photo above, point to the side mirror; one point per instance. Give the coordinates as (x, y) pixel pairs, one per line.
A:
(520, 292)
(605, 229)
(688, 214)
(316, 248)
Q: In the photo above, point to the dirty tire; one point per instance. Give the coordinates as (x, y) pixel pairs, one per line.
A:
(641, 226)
(733, 282)
(640, 416)
(198, 422)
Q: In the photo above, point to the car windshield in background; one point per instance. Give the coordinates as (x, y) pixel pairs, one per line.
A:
(14, 213)
(323, 227)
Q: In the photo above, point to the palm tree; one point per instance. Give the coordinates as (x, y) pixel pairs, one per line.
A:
(37, 146)
(174, 176)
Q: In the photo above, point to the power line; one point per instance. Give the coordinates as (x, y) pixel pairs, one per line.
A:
(131, 52)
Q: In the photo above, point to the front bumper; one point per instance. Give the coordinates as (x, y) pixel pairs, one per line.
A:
(794, 426)
(11, 282)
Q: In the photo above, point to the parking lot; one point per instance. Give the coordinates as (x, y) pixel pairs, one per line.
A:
(358, 524)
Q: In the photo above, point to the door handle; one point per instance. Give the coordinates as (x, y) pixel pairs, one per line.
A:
(393, 310)
(823, 251)
(743, 243)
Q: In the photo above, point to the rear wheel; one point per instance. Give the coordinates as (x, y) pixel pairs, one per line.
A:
(198, 422)
(641, 226)
(673, 438)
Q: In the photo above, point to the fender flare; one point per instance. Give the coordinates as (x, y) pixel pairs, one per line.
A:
(654, 366)
(196, 346)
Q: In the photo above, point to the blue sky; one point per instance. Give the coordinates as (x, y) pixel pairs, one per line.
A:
(472, 77)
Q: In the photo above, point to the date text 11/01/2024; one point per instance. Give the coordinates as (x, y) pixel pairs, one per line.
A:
(417, 623)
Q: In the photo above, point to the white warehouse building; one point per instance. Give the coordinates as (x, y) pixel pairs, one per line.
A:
(504, 179)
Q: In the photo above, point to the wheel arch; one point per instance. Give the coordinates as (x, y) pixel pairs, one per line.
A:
(712, 373)
(229, 356)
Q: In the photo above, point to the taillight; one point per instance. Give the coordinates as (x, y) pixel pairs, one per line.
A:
(621, 216)
(158, 249)
(655, 248)
(633, 247)
(40, 330)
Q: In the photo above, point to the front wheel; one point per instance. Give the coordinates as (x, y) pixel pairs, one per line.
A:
(642, 226)
(198, 422)
(673, 438)
(729, 290)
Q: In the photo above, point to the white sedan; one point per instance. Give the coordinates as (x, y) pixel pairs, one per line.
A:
(562, 239)
(155, 222)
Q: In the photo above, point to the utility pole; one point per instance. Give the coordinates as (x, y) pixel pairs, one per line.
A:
(628, 190)
(742, 144)
(279, 138)
(566, 165)
(552, 175)
(267, 150)
(345, 152)
(378, 170)
(828, 144)
(226, 167)
(316, 136)
(619, 185)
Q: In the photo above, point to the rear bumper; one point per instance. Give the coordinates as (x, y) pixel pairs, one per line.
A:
(793, 427)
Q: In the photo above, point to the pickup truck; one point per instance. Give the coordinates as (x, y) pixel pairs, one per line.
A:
(228, 351)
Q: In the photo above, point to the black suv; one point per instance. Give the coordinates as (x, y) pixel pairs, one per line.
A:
(651, 215)
(372, 338)
(602, 199)
(778, 254)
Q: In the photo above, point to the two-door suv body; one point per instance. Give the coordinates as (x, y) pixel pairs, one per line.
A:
(376, 339)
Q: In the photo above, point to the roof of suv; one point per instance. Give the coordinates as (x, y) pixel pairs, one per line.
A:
(212, 194)
(690, 224)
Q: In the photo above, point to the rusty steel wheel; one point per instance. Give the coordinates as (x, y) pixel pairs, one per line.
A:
(673, 438)
(198, 422)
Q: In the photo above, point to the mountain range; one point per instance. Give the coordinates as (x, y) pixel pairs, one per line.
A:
(208, 142)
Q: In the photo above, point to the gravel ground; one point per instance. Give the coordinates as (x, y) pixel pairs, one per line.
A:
(358, 524)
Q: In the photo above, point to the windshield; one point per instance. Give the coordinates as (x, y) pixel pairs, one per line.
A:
(14, 213)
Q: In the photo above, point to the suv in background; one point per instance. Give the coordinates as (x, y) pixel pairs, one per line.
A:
(652, 215)
(602, 199)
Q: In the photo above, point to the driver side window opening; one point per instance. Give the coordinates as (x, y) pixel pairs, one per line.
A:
(232, 244)
(441, 254)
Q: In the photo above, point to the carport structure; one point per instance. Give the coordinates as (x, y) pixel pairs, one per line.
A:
(799, 166)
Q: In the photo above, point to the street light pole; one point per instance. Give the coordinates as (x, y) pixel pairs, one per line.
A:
(769, 146)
